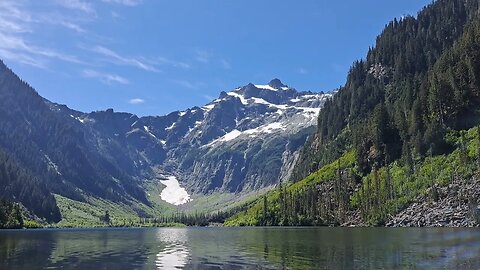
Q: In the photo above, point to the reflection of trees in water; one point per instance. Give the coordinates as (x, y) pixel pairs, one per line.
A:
(239, 248)
(365, 248)
(78, 249)
(325, 248)
(106, 248)
(17, 250)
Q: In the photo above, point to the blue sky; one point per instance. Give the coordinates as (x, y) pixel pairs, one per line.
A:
(151, 57)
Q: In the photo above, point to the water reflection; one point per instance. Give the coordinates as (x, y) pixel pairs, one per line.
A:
(241, 248)
(175, 254)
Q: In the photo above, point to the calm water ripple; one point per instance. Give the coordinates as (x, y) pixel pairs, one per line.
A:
(241, 248)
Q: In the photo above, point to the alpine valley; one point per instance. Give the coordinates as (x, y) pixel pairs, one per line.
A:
(70, 167)
(397, 145)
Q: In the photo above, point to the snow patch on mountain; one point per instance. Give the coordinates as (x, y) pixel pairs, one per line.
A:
(230, 136)
(52, 165)
(234, 134)
(173, 193)
(147, 130)
(242, 98)
(208, 107)
(266, 87)
(171, 127)
(266, 129)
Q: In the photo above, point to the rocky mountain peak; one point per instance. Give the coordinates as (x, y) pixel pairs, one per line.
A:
(277, 84)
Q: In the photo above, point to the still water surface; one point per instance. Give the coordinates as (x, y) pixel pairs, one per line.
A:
(241, 248)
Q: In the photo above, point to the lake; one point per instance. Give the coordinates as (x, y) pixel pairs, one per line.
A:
(241, 248)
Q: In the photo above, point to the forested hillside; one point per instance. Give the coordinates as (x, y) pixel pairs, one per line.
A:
(10, 215)
(20, 185)
(407, 114)
(45, 151)
(70, 167)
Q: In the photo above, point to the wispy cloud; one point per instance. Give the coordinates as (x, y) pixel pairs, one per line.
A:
(72, 26)
(16, 48)
(208, 97)
(136, 101)
(16, 25)
(78, 5)
(22, 58)
(124, 2)
(209, 57)
(225, 64)
(151, 64)
(172, 63)
(115, 58)
(115, 15)
(203, 56)
(188, 84)
(105, 78)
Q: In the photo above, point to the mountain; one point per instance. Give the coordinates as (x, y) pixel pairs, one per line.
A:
(245, 140)
(56, 152)
(402, 132)
(57, 159)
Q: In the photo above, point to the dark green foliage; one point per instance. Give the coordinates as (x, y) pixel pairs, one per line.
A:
(189, 219)
(410, 89)
(37, 135)
(10, 215)
(106, 218)
(403, 111)
(320, 199)
(19, 185)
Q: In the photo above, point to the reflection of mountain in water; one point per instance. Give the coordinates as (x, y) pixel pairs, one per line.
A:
(241, 248)
(176, 253)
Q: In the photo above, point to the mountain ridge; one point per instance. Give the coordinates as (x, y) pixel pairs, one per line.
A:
(400, 133)
(114, 155)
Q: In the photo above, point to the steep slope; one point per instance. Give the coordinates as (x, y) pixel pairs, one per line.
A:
(248, 138)
(245, 140)
(47, 141)
(393, 83)
(402, 128)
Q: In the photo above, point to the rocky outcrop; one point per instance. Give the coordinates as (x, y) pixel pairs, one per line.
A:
(455, 205)
(245, 140)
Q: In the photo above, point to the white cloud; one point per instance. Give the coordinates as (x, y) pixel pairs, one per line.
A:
(208, 97)
(207, 57)
(203, 56)
(147, 64)
(173, 63)
(225, 64)
(16, 26)
(77, 5)
(130, 3)
(115, 58)
(72, 26)
(188, 84)
(104, 77)
(15, 47)
(22, 58)
(136, 101)
(115, 15)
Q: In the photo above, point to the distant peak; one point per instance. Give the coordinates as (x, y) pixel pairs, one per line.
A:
(276, 83)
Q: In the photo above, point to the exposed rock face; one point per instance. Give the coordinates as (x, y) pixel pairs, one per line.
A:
(245, 140)
(458, 205)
